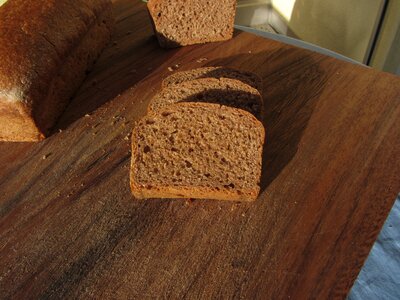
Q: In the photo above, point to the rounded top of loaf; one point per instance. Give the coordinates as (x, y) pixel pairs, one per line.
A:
(36, 37)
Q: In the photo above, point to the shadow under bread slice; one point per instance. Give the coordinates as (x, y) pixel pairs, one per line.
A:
(249, 78)
(197, 150)
(223, 91)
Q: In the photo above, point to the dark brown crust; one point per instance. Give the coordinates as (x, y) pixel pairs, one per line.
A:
(166, 43)
(142, 192)
(36, 39)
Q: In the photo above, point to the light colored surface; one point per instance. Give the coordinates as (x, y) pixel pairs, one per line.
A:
(252, 13)
(380, 276)
(387, 53)
(284, 7)
(343, 26)
(295, 42)
(2, 1)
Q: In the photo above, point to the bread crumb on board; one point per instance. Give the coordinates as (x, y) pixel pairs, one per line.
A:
(200, 60)
(189, 201)
(173, 68)
(46, 156)
(127, 137)
(234, 207)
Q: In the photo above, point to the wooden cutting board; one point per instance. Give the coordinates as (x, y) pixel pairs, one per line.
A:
(69, 226)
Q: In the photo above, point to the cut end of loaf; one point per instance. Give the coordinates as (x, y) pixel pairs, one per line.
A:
(40, 74)
(181, 22)
(179, 152)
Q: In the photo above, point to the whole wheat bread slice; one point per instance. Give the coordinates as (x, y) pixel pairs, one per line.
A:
(215, 72)
(224, 91)
(186, 22)
(197, 150)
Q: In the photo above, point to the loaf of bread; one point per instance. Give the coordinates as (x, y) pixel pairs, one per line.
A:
(215, 72)
(224, 91)
(197, 150)
(46, 47)
(186, 22)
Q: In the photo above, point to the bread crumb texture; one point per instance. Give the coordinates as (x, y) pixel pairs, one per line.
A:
(186, 22)
(197, 150)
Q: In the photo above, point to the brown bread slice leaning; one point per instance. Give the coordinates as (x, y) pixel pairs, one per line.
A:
(186, 22)
(46, 48)
(224, 91)
(215, 72)
(197, 150)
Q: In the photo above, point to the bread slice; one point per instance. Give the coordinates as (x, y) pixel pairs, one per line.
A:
(46, 48)
(197, 150)
(187, 22)
(224, 91)
(215, 72)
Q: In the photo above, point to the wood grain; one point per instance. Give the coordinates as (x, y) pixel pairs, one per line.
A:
(69, 227)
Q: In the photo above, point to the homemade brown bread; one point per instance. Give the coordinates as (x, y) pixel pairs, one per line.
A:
(224, 91)
(46, 47)
(215, 72)
(197, 150)
(186, 22)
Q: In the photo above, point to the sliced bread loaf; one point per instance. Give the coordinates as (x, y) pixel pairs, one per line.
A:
(197, 150)
(186, 22)
(224, 91)
(215, 72)
(46, 49)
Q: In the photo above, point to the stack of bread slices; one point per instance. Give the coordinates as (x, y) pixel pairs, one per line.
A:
(202, 138)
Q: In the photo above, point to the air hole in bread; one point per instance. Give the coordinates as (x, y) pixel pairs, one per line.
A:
(231, 185)
(150, 122)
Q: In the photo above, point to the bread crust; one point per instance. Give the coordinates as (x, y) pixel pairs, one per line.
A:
(37, 41)
(143, 192)
(185, 192)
